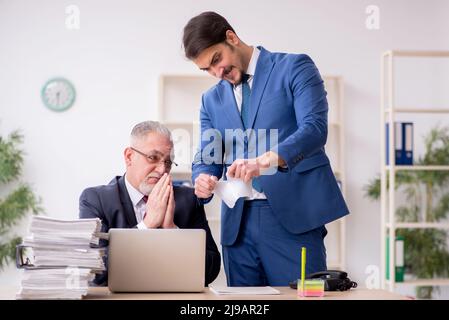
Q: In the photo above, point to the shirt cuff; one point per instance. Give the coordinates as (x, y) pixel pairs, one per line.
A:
(141, 225)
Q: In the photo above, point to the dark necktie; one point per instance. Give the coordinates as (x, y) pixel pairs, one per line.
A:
(244, 113)
(145, 199)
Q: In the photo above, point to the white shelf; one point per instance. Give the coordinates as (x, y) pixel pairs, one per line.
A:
(181, 173)
(424, 282)
(334, 265)
(418, 110)
(413, 53)
(388, 208)
(180, 124)
(335, 148)
(418, 168)
(419, 225)
(180, 96)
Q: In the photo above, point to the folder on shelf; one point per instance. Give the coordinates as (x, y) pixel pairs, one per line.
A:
(399, 265)
(403, 143)
(408, 143)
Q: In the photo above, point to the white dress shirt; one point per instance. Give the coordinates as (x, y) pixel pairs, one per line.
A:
(138, 204)
(238, 98)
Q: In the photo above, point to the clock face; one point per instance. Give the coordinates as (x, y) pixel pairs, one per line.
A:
(58, 94)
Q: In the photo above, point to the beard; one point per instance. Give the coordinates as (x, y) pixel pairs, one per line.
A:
(235, 78)
(145, 187)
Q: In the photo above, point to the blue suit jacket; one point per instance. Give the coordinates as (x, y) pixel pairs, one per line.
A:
(288, 95)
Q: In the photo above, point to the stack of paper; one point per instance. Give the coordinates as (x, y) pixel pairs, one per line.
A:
(57, 283)
(61, 258)
(67, 232)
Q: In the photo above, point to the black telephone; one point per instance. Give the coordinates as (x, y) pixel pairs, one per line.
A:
(334, 280)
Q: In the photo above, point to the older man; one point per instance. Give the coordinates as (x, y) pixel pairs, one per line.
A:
(144, 197)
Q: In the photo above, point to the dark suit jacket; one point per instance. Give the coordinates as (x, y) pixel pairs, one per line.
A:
(112, 204)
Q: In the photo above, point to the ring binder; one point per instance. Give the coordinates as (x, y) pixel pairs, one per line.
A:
(20, 264)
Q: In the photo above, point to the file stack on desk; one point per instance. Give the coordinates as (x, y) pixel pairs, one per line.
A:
(61, 258)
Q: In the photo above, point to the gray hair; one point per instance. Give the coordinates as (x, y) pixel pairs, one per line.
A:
(141, 130)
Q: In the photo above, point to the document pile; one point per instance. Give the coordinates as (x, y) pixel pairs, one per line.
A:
(59, 258)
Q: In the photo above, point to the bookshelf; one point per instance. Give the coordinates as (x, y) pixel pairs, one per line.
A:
(335, 148)
(178, 109)
(388, 112)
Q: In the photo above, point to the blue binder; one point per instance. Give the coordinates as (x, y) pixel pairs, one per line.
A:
(403, 142)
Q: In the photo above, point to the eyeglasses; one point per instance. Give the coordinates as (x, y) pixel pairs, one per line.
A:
(156, 159)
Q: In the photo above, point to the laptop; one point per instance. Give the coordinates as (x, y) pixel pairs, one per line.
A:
(156, 260)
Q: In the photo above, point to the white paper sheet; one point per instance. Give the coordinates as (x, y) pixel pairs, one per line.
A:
(243, 290)
(232, 189)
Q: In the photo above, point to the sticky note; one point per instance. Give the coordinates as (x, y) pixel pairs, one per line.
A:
(312, 288)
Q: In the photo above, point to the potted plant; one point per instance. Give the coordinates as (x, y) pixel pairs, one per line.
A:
(16, 204)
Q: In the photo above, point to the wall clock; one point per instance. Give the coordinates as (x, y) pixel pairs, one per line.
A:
(58, 94)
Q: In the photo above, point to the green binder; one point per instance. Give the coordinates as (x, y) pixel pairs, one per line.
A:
(399, 261)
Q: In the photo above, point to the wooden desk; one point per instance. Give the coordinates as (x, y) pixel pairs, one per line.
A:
(286, 294)
(102, 293)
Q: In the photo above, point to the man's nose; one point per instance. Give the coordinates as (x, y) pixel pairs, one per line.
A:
(161, 168)
(217, 72)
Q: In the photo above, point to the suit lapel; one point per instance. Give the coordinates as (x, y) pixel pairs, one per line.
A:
(263, 70)
(229, 105)
(126, 203)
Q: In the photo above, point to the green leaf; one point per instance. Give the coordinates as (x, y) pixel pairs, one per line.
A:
(372, 189)
(8, 251)
(16, 206)
(11, 159)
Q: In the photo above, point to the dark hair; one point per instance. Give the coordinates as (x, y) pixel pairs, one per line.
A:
(203, 31)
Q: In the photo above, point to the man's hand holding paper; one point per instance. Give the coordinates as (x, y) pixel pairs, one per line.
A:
(204, 185)
(228, 190)
(246, 169)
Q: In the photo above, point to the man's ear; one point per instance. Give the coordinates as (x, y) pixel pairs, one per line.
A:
(127, 153)
(232, 38)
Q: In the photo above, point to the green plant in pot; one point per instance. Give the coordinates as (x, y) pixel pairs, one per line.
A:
(16, 204)
(427, 195)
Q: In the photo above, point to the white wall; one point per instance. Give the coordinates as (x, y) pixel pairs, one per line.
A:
(114, 61)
